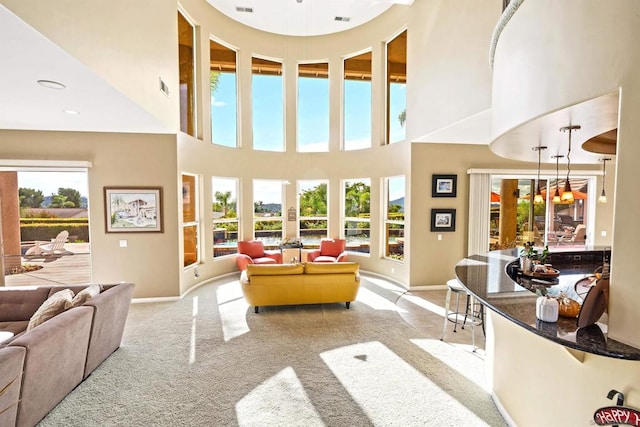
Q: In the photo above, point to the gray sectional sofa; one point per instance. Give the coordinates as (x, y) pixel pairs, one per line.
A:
(39, 367)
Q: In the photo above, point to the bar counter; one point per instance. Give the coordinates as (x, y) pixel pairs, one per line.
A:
(492, 279)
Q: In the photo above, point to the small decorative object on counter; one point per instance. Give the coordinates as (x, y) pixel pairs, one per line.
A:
(567, 307)
(547, 309)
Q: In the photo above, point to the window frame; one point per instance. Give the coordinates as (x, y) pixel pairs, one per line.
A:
(236, 219)
(344, 218)
(387, 222)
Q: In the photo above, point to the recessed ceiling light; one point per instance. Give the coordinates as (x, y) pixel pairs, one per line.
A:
(72, 112)
(50, 84)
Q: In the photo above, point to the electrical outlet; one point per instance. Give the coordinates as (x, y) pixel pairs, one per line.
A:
(123, 243)
(603, 233)
(439, 236)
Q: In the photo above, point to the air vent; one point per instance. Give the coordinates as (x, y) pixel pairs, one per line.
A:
(244, 9)
(342, 18)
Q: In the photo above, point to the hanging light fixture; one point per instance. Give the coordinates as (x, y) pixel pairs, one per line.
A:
(567, 193)
(556, 196)
(538, 199)
(603, 195)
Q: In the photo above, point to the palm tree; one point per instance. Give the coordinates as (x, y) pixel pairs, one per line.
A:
(223, 199)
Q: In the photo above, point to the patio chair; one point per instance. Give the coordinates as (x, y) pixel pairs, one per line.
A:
(579, 235)
(56, 247)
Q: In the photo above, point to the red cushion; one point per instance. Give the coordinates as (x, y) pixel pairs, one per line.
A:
(253, 248)
(332, 247)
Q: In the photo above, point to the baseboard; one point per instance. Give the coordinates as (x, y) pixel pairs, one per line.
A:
(502, 411)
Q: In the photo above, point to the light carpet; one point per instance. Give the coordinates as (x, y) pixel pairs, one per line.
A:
(209, 360)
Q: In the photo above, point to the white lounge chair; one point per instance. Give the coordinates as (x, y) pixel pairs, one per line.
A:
(56, 247)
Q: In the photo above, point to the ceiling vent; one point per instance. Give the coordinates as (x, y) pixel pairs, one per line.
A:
(244, 9)
(342, 18)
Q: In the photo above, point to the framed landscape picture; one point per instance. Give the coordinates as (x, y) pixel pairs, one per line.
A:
(443, 220)
(444, 185)
(133, 209)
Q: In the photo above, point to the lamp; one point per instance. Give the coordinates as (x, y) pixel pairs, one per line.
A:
(567, 194)
(556, 196)
(603, 195)
(538, 199)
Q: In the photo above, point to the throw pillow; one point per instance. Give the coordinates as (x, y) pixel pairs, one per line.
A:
(54, 305)
(86, 294)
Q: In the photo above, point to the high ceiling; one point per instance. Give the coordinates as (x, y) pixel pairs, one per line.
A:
(304, 17)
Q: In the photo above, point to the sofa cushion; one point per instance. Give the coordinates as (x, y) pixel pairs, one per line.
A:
(85, 295)
(54, 305)
(14, 327)
(330, 268)
(20, 304)
(274, 269)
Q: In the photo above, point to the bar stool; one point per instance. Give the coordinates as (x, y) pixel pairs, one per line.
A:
(470, 313)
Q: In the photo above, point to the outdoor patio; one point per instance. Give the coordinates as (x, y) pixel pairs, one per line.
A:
(73, 268)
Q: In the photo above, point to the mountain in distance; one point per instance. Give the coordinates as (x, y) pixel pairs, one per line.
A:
(399, 201)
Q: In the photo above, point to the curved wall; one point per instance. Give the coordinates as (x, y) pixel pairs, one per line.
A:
(555, 54)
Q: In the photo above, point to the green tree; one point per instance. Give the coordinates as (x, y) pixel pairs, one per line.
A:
(357, 199)
(60, 201)
(214, 81)
(73, 198)
(223, 200)
(313, 202)
(30, 198)
(402, 117)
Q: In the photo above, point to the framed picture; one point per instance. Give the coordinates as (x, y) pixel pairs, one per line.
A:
(443, 220)
(133, 209)
(444, 185)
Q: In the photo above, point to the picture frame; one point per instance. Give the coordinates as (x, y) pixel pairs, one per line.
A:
(444, 185)
(133, 209)
(443, 220)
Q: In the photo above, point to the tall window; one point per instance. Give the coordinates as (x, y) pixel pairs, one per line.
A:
(514, 220)
(357, 102)
(190, 220)
(268, 105)
(223, 87)
(396, 88)
(267, 211)
(187, 67)
(313, 107)
(312, 196)
(225, 216)
(394, 217)
(357, 214)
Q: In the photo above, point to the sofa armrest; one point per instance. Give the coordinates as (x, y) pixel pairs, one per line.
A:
(56, 352)
(111, 308)
(313, 255)
(242, 261)
(11, 362)
(342, 257)
(275, 255)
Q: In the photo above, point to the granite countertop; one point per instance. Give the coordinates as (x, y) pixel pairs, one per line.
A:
(485, 276)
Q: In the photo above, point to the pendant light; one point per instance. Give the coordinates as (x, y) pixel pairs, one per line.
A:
(556, 196)
(567, 193)
(603, 195)
(538, 199)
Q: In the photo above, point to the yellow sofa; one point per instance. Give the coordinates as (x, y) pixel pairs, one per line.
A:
(308, 283)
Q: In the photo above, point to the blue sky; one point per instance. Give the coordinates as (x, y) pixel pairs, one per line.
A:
(49, 182)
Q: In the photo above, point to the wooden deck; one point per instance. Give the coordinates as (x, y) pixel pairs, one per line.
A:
(73, 268)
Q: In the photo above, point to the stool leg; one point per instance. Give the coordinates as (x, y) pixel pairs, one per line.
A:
(455, 322)
(466, 311)
(446, 313)
(473, 326)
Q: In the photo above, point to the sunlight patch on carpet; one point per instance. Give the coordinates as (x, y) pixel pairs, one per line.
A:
(233, 310)
(376, 302)
(423, 303)
(390, 391)
(279, 401)
(467, 364)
